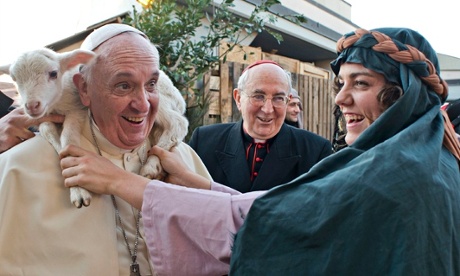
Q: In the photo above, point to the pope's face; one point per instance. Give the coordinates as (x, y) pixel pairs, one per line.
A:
(121, 92)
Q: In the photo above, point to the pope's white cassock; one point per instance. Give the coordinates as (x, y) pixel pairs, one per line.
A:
(43, 233)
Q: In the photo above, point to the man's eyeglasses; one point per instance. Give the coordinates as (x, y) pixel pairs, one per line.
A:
(260, 99)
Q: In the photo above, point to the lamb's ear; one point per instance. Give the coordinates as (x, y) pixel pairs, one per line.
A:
(5, 69)
(70, 59)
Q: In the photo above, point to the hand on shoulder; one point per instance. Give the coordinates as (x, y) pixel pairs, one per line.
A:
(14, 127)
(178, 172)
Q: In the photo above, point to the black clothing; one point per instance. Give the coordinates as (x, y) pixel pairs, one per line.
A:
(5, 104)
(289, 154)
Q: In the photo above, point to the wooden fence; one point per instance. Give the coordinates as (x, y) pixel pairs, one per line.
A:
(314, 91)
(315, 94)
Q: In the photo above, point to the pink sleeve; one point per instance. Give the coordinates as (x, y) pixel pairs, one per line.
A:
(190, 231)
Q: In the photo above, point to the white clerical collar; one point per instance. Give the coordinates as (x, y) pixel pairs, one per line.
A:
(106, 145)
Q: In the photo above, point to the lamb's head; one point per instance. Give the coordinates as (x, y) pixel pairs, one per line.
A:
(38, 76)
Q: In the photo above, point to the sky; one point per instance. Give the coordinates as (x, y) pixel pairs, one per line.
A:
(435, 20)
(27, 25)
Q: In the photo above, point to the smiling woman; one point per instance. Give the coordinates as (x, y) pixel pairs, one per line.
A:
(357, 98)
(358, 197)
(381, 204)
(363, 95)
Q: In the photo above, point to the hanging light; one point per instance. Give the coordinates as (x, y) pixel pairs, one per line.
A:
(145, 3)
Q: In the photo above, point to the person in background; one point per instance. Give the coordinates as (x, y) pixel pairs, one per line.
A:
(16, 126)
(5, 104)
(294, 115)
(387, 204)
(259, 152)
(42, 232)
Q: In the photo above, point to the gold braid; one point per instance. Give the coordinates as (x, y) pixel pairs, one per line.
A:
(386, 45)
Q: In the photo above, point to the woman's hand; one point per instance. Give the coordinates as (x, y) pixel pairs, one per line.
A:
(99, 175)
(178, 172)
(88, 170)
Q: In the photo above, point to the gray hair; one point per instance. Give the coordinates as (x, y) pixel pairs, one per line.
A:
(242, 81)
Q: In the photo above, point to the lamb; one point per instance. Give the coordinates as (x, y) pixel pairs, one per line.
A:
(170, 126)
(44, 81)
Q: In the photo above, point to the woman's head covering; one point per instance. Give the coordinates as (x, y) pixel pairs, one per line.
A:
(386, 50)
(405, 58)
(387, 203)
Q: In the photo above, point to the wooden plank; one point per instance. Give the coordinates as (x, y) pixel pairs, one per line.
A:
(289, 64)
(206, 91)
(330, 105)
(307, 101)
(225, 97)
(324, 111)
(306, 68)
(315, 104)
(241, 54)
(327, 106)
(301, 90)
(311, 121)
(214, 83)
(331, 109)
(294, 80)
(237, 70)
(214, 103)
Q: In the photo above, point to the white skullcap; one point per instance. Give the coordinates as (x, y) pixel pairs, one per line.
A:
(102, 34)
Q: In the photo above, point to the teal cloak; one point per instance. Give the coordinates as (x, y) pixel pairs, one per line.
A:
(387, 205)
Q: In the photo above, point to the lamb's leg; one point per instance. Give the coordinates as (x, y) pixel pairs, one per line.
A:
(152, 168)
(170, 132)
(71, 136)
(50, 132)
(78, 196)
(170, 125)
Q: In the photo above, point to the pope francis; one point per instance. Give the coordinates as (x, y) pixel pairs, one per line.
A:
(41, 231)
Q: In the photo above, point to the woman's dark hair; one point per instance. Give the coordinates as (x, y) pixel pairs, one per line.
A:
(389, 94)
(338, 139)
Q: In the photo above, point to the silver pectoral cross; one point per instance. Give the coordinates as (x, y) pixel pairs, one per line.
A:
(134, 270)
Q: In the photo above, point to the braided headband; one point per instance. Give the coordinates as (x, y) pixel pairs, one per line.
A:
(386, 45)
